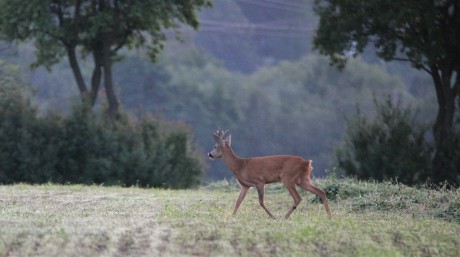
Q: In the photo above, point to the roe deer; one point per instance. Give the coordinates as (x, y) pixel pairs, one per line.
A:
(258, 171)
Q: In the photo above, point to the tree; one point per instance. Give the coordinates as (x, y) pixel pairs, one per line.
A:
(97, 27)
(421, 32)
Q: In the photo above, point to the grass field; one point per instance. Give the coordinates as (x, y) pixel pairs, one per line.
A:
(369, 219)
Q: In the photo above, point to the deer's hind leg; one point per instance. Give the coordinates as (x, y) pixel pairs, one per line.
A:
(306, 184)
(295, 195)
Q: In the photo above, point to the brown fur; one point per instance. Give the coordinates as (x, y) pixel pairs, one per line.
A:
(258, 171)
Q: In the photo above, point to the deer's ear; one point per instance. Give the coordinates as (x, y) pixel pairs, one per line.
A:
(229, 140)
(217, 138)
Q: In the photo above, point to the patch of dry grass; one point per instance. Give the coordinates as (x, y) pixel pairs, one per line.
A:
(369, 219)
(80, 221)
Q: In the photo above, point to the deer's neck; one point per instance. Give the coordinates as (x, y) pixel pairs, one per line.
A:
(233, 162)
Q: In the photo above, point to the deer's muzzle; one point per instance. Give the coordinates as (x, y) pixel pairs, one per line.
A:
(210, 156)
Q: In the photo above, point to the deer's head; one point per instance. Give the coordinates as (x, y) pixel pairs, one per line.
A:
(222, 139)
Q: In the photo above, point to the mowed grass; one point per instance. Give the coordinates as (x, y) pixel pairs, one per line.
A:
(369, 219)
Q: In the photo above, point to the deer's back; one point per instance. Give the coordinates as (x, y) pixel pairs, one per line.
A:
(274, 168)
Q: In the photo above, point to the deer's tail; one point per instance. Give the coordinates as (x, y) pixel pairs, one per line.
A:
(309, 167)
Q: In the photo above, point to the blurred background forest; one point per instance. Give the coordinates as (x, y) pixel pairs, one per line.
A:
(249, 68)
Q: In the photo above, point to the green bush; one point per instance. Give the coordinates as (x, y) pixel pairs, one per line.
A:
(17, 123)
(392, 146)
(84, 147)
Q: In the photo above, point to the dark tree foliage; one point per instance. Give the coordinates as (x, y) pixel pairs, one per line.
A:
(99, 28)
(424, 33)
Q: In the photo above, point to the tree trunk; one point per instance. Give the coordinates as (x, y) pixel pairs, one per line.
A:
(109, 91)
(77, 73)
(443, 129)
(96, 78)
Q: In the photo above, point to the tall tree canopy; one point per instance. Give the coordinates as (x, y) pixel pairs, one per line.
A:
(96, 27)
(425, 33)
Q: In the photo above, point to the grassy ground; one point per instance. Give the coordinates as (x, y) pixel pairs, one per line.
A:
(369, 219)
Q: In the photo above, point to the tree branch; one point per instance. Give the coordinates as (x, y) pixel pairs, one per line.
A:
(437, 83)
(416, 64)
(77, 17)
(122, 42)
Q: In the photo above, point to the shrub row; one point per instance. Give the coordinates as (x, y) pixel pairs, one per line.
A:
(84, 147)
(392, 146)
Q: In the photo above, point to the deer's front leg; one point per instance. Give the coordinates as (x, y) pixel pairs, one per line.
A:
(261, 191)
(244, 190)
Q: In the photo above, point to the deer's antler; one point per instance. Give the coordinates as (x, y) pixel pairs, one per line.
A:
(220, 133)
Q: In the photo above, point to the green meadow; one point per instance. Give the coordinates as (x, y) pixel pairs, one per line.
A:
(369, 219)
